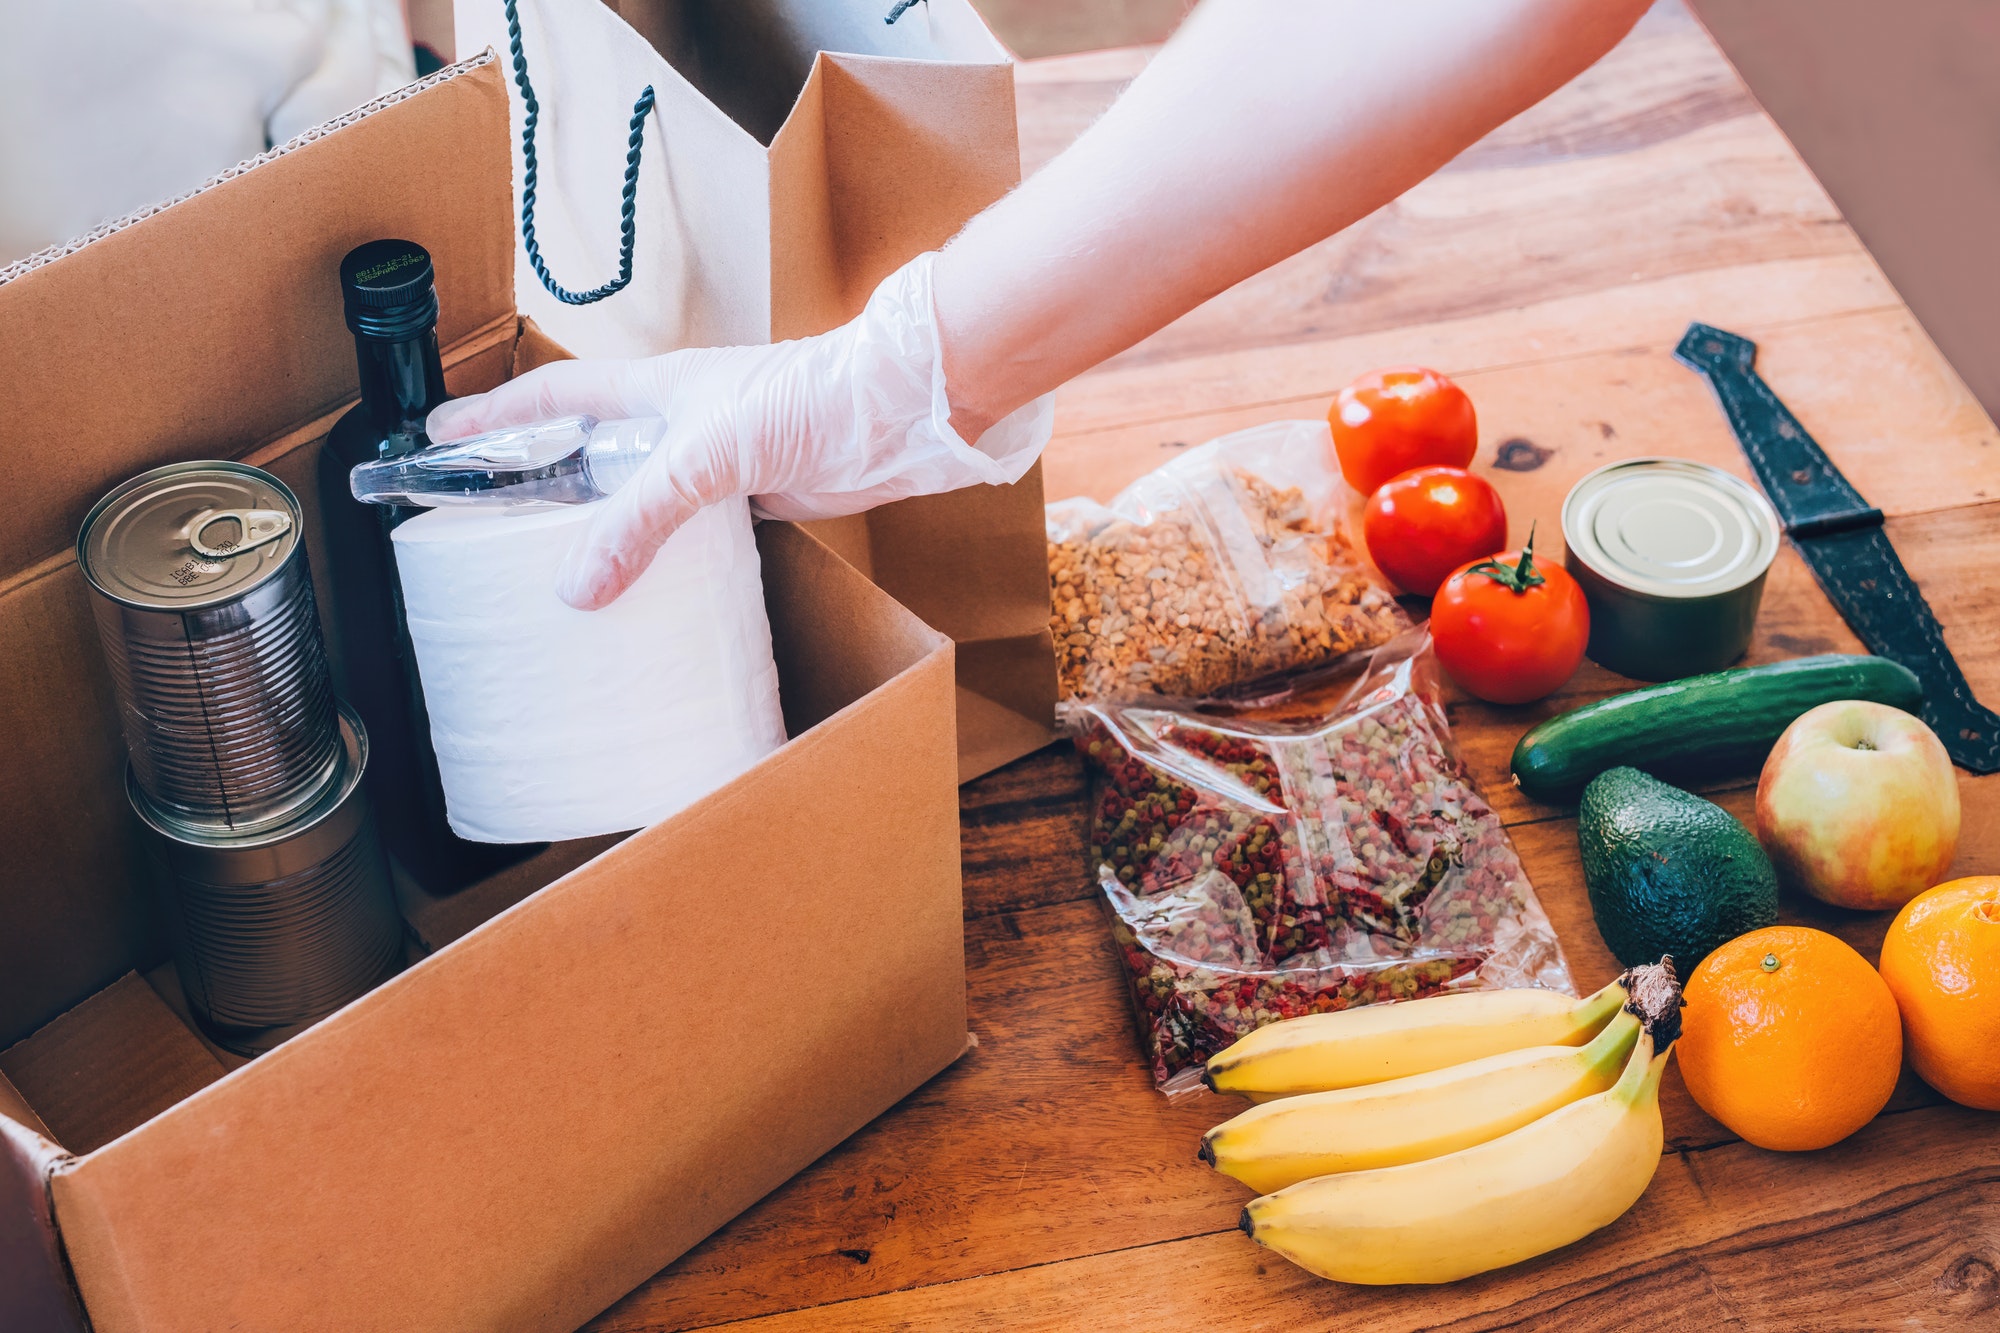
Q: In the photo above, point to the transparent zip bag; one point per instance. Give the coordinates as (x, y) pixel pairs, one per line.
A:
(1228, 565)
(1255, 869)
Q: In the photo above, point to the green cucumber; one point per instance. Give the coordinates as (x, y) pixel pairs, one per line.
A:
(1699, 728)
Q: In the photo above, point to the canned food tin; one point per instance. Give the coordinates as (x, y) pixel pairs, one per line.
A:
(205, 607)
(1672, 556)
(275, 930)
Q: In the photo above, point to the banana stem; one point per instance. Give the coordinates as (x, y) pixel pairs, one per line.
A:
(1640, 1083)
(1655, 1002)
(1655, 1070)
(1612, 1047)
(1594, 1011)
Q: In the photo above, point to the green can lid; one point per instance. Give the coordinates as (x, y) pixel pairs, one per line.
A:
(1670, 527)
(188, 536)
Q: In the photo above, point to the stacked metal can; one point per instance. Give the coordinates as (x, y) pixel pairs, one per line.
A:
(245, 767)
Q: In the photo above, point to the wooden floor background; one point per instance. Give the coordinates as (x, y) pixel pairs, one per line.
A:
(1041, 1183)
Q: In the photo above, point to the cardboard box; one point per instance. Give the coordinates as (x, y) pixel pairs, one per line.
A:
(610, 1050)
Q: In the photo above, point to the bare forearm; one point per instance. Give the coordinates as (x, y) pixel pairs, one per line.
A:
(1263, 127)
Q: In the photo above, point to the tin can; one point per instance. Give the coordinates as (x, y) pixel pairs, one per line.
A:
(1672, 556)
(275, 930)
(205, 607)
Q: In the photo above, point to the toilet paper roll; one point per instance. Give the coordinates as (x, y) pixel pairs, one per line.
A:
(553, 723)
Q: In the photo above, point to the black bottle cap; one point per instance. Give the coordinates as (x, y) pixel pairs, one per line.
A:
(389, 290)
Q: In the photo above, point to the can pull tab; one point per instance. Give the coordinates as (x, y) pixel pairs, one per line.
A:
(255, 527)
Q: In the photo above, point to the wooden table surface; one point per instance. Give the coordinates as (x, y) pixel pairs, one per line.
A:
(1041, 1183)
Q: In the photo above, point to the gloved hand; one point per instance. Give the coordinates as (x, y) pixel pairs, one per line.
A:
(813, 428)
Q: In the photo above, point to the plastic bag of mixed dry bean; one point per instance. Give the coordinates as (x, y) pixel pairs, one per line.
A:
(1257, 869)
(1224, 566)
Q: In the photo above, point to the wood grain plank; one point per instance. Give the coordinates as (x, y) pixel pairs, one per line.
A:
(1868, 384)
(1038, 28)
(1905, 1216)
(1464, 244)
(1024, 833)
(1684, 175)
(1763, 295)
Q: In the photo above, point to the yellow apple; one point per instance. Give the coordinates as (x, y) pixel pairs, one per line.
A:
(1858, 806)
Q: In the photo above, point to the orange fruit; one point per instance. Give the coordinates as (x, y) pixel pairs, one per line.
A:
(1790, 1038)
(1942, 962)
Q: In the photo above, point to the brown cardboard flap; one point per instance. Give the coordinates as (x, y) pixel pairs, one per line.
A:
(132, 351)
(108, 1065)
(74, 899)
(882, 160)
(974, 564)
(527, 1124)
(879, 161)
(15, 1107)
(807, 295)
(914, 148)
(35, 1294)
(815, 587)
(1006, 698)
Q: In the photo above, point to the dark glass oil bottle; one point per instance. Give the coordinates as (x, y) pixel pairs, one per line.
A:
(390, 297)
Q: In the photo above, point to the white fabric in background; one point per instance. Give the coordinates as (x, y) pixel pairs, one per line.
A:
(109, 105)
(552, 723)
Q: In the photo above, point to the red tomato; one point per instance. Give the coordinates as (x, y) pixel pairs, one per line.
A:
(1431, 520)
(1390, 421)
(1510, 630)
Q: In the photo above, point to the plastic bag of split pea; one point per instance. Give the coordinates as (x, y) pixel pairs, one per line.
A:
(1305, 853)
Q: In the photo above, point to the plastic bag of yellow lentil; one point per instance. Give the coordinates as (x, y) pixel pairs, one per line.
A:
(1228, 564)
(1255, 868)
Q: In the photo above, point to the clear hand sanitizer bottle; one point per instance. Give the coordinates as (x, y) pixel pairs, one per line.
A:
(566, 461)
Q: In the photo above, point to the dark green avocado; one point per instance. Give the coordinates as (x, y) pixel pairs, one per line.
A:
(1668, 872)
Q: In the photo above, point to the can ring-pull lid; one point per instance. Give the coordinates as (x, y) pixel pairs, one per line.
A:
(1670, 528)
(254, 526)
(155, 542)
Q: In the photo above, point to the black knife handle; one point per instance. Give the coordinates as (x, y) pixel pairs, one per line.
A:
(1806, 489)
(1842, 539)
(1864, 578)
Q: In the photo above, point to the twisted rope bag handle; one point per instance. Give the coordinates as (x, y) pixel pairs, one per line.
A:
(628, 206)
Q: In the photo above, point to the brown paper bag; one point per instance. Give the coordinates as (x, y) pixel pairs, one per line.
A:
(799, 151)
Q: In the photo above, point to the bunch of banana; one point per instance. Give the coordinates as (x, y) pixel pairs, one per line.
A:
(1437, 1175)
(1409, 1119)
(1384, 1041)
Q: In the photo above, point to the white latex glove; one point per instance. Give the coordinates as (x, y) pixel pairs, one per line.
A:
(813, 428)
